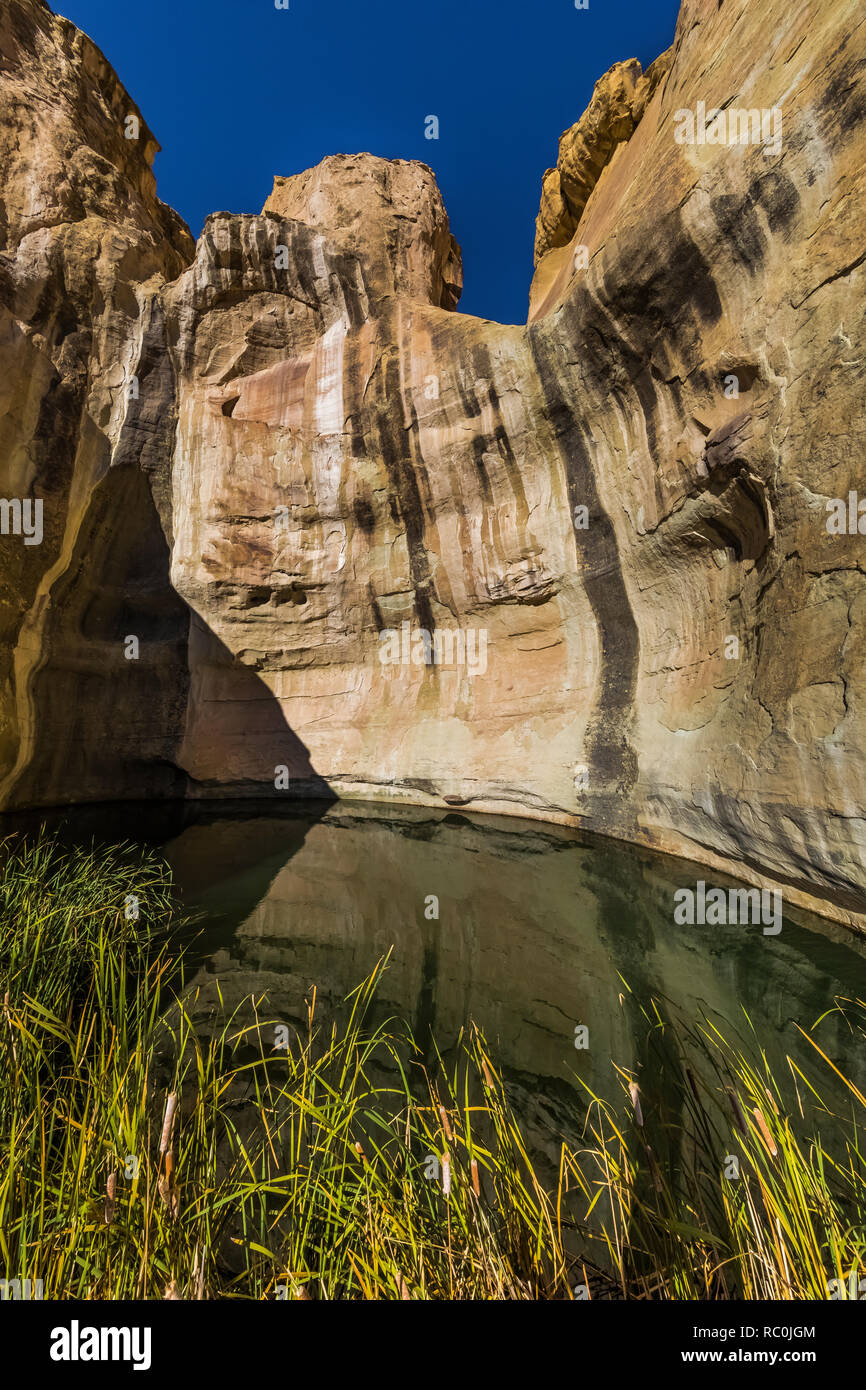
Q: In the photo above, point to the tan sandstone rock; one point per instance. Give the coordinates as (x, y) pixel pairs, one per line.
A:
(84, 245)
(322, 449)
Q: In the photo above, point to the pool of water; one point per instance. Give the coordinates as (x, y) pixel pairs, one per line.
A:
(534, 933)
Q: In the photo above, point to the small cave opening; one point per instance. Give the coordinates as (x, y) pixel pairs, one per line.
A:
(229, 405)
(292, 594)
(744, 375)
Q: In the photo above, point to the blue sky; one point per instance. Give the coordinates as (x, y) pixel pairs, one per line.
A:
(237, 91)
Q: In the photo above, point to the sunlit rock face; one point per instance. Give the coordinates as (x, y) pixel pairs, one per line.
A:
(610, 526)
(85, 245)
(708, 263)
(351, 456)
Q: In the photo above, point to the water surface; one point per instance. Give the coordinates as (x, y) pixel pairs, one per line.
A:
(538, 933)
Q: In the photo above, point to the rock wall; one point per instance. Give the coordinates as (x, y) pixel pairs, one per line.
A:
(620, 509)
(85, 245)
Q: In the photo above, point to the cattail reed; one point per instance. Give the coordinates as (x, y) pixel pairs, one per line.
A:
(110, 1194)
(766, 1136)
(635, 1101)
(168, 1124)
(278, 1179)
(165, 1182)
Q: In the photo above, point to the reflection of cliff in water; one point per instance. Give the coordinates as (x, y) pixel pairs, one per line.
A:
(534, 931)
(538, 932)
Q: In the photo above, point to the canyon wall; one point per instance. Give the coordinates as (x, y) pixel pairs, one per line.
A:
(85, 246)
(259, 454)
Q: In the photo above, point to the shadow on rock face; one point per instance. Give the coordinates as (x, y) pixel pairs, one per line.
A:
(133, 697)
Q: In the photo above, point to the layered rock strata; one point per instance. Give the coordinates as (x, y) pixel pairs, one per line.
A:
(613, 526)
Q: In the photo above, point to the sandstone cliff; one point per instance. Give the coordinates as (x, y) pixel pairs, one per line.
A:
(259, 453)
(85, 245)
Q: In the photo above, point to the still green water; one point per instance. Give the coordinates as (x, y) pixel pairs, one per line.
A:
(538, 933)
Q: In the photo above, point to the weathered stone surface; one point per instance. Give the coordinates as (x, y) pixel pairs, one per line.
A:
(618, 103)
(84, 245)
(389, 214)
(707, 261)
(322, 449)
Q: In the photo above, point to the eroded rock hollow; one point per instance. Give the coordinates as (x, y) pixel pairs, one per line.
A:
(613, 527)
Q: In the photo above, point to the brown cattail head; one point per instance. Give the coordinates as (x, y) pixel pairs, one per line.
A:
(443, 1115)
(110, 1194)
(635, 1100)
(165, 1186)
(766, 1136)
(476, 1185)
(446, 1174)
(169, 1196)
(168, 1124)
